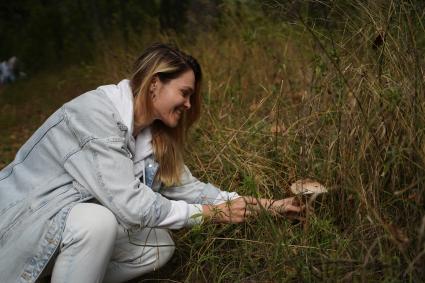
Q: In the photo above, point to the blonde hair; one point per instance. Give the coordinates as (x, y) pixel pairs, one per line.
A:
(167, 63)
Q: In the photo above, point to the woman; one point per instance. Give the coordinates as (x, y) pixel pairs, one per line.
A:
(92, 194)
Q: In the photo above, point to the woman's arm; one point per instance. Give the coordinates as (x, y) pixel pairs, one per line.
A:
(191, 190)
(222, 206)
(240, 209)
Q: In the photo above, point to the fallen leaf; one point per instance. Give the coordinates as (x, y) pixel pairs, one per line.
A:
(277, 128)
(254, 106)
(398, 234)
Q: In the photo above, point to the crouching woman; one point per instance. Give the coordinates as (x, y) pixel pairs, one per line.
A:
(91, 196)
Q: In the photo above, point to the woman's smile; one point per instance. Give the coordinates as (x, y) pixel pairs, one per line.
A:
(179, 111)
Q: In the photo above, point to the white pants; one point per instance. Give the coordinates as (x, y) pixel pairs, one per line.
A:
(95, 248)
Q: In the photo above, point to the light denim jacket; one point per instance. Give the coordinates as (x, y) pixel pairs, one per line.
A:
(82, 151)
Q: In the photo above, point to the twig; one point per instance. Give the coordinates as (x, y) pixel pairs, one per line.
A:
(268, 243)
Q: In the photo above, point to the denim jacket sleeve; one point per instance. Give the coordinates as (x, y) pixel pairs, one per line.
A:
(192, 190)
(102, 164)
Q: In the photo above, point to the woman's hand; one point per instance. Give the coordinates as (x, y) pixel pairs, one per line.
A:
(234, 211)
(238, 210)
(284, 206)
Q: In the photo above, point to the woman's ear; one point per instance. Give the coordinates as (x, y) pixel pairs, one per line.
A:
(154, 84)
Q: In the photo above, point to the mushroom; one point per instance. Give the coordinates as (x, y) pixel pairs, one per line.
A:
(307, 187)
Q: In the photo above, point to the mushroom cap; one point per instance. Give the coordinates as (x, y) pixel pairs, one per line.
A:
(307, 187)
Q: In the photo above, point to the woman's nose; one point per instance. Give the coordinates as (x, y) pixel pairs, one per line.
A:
(187, 103)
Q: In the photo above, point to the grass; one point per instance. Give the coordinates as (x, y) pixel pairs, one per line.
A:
(285, 101)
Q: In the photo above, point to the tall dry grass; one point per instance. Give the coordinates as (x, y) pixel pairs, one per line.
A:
(291, 101)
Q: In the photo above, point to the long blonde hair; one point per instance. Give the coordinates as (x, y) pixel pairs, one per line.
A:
(167, 63)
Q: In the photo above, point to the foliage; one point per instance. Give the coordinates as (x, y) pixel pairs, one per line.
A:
(289, 94)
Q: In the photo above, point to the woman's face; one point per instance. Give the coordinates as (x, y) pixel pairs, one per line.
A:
(172, 98)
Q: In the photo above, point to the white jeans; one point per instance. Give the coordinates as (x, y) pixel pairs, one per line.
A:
(95, 248)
